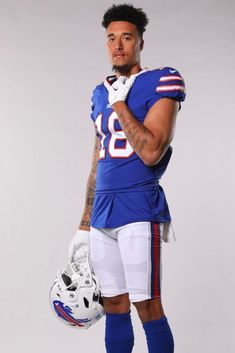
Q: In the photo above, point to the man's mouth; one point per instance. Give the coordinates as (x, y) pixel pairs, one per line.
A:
(118, 55)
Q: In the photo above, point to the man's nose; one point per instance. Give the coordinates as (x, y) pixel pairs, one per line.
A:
(118, 44)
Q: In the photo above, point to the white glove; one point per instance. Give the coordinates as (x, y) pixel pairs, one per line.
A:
(79, 245)
(118, 91)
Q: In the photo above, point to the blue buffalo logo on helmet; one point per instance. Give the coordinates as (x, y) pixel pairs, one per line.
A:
(65, 312)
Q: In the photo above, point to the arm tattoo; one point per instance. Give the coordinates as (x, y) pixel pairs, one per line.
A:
(90, 191)
(85, 223)
(137, 134)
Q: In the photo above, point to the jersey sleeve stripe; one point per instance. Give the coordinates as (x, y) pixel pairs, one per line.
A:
(169, 78)
(170, 88)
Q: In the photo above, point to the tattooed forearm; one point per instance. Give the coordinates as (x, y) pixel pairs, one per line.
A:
(137, 134)
(84, 223)
(90, 191)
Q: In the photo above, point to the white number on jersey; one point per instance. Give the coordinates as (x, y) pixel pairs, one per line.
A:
(98, 122)
(115, 152)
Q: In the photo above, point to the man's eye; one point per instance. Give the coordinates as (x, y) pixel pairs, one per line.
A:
(127, 38)
(111, 39)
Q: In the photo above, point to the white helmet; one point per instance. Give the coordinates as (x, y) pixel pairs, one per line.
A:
(75, 296)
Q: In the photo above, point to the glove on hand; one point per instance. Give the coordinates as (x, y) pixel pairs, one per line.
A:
(118, 91)
(79, 245)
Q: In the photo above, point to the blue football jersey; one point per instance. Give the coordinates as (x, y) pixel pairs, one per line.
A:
(126, 189)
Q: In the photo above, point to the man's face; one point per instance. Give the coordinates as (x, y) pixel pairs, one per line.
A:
(124, 45)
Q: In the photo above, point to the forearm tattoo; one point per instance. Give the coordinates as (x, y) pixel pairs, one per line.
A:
(136, 133)
(85, 223)
(90, 191)
(88, 203)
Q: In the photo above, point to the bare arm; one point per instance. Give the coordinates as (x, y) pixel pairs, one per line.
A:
(90, 190)
(151, 139)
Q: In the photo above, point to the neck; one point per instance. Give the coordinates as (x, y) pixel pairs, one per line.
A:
(127, 71)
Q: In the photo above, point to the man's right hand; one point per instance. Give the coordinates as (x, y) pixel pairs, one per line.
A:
(79, 245)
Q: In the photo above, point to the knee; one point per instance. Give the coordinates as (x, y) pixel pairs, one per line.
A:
(150, 309)
(118, 304)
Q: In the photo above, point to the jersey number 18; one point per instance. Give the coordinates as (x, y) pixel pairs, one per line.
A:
(112, 149)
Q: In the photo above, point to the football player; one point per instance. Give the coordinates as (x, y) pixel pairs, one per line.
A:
(126, 216)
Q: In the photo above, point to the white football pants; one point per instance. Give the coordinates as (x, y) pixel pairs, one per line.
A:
(127, 259)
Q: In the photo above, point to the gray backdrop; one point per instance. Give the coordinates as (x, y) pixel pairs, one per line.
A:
(52, 54)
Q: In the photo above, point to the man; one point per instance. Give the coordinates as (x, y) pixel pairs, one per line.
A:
(126, 211)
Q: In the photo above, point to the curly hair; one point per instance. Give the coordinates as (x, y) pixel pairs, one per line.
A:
(126, 12)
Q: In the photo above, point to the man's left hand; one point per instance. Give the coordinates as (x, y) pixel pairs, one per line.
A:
(118, 91)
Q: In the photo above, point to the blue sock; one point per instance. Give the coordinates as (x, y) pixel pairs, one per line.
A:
(159, 336)
(119, 336)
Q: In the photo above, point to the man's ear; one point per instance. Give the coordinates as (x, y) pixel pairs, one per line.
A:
(141, 44)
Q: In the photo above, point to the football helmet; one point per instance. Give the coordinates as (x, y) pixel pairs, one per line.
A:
(75, 296)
